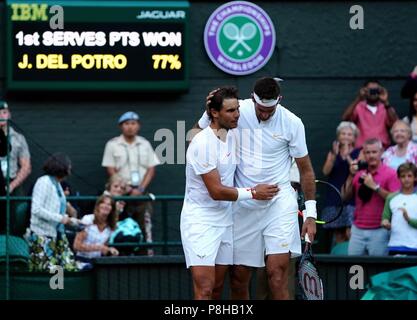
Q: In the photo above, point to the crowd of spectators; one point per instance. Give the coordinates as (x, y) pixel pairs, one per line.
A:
(371, 161)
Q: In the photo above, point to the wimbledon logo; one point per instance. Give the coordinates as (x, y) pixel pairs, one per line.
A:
(239, 37)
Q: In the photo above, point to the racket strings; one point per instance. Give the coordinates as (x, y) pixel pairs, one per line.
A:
(310, 281)
(327, 195)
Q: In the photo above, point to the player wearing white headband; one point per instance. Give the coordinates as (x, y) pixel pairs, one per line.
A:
(267, 231)
(206, 217)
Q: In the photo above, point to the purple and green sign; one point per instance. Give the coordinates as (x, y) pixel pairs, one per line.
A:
(239, 37)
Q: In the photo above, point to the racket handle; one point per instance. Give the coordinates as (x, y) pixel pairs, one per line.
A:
(306, 238)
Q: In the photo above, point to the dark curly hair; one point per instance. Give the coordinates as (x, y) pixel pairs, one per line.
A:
(267, 88)
(223, 93)
(57, 165)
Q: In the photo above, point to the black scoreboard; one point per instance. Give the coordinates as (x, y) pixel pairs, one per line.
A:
(97, 45)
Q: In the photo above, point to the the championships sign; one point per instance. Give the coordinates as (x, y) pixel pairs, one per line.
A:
(239, 37)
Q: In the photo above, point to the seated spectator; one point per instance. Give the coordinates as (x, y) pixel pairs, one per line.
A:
(404, 149)
(336, 168)
(370, 187)
(372, 113)
(409, 91)
(400, 213)
(116, 187)
(92, 241)
(49, 246)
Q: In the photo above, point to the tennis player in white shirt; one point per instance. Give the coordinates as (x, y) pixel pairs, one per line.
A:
(206, 217)
(267, 232)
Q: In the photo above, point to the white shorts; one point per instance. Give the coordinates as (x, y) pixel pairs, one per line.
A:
(206, 245)
(271, 230)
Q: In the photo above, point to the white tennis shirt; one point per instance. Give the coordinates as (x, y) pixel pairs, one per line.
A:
(205, 153)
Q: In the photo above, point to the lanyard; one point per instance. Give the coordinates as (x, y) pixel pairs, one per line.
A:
(128, 160)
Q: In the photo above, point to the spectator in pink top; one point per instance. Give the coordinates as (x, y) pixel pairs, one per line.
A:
(372, 113)
(370, 187)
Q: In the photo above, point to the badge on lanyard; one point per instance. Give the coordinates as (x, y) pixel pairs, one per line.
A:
(134, 178)
(4, 166)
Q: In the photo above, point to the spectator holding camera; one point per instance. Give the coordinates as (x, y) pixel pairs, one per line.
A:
(372, 113)
(409, 91)
(336, 168)
(369, 187)
(404, 149)
(400, 213)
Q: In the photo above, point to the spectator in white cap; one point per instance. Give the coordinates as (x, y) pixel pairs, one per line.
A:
(133, 158)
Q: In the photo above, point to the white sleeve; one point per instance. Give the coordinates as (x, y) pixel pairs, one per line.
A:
(88, 219)
(108, 159)
(204, 121)
(152, 159)
(298, 145)
(202, 158)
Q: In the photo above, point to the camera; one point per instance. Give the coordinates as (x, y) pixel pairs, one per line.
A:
(374, 91)
(362, 165)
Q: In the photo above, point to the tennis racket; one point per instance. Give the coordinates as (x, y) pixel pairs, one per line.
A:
(327, 195)
(310, 284)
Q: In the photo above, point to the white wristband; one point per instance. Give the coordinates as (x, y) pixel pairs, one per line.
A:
(244, 194)
(204, 121)
(311, 210)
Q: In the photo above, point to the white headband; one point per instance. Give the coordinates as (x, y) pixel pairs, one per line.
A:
(266, 102)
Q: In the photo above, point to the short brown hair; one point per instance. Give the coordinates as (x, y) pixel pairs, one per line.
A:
(407, 167)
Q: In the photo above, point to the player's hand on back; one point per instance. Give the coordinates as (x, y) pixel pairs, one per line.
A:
(265, 191)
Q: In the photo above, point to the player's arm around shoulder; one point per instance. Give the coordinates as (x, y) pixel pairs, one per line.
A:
(216, 189)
